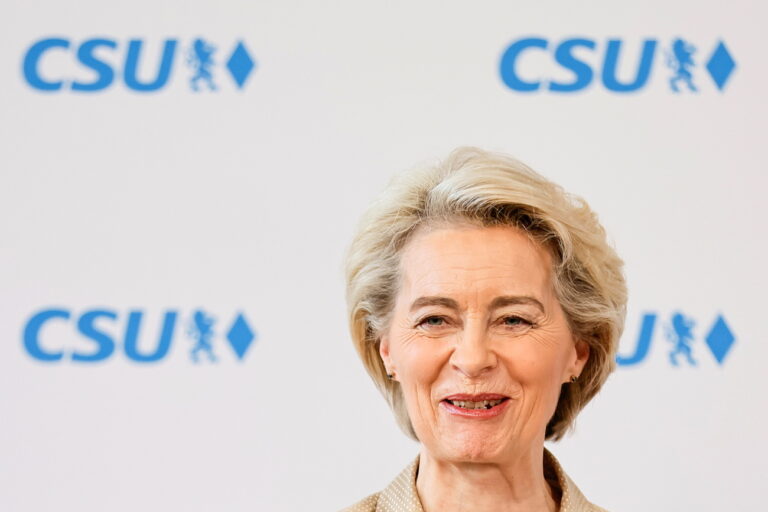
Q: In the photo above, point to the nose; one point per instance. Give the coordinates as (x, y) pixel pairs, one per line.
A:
(472, 356)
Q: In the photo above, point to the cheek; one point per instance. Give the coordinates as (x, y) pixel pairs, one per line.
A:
(536, 362)
(419, 363)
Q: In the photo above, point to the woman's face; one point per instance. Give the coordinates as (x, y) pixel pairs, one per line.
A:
(478, 342)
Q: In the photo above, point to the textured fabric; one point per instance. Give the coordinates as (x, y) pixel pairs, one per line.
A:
(401, 494)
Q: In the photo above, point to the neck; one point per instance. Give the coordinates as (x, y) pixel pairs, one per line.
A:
(515, 486)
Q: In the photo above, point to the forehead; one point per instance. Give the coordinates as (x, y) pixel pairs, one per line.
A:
(461, 258)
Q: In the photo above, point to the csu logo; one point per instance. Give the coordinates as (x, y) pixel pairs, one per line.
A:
(683, 344)
(95, 335)
(535, 64)
(57, 64)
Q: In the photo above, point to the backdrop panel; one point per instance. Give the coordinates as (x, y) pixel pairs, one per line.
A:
(180, 180)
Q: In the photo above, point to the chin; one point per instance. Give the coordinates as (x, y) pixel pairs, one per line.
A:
(475, 454)
(473, 447)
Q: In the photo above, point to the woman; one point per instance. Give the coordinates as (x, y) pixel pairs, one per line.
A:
(487, 306)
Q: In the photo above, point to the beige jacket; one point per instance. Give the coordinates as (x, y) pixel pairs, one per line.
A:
(401, 495)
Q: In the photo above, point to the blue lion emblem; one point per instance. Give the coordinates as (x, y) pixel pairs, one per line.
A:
(680, 333)
(680, 60)
(200, 59)
(201, 330)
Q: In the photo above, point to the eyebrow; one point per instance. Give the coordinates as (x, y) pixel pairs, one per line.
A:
(507, 300)
(498, 302)
(434, 301)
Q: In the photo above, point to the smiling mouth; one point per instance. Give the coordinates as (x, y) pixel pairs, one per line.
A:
(483, 404)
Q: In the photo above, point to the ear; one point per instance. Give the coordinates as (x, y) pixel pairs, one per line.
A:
(384, 353)
(580, 358)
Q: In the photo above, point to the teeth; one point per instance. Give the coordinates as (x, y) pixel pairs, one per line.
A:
(484, 404)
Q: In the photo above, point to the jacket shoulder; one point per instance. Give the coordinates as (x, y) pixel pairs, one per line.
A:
(367, 504)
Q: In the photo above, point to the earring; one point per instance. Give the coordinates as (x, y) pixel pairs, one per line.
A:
(574, 379)
(390, 376)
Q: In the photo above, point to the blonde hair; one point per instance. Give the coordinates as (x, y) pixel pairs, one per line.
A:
(490, 189)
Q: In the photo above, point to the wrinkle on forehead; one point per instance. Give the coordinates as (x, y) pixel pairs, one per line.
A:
(469, 258)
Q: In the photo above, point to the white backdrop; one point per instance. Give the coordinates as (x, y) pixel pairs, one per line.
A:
(243, 200)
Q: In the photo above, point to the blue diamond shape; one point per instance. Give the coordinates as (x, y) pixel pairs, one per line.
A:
(720, 65)
(720, 339)
(240, 336)
(240, 64)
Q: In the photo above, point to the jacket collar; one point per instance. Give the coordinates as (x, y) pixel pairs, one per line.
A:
(401, 495)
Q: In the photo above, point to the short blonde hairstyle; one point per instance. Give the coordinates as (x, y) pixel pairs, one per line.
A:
(490, 189)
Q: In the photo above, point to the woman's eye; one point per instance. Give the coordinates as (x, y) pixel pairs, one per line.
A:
(515, 321)
(433, 321)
